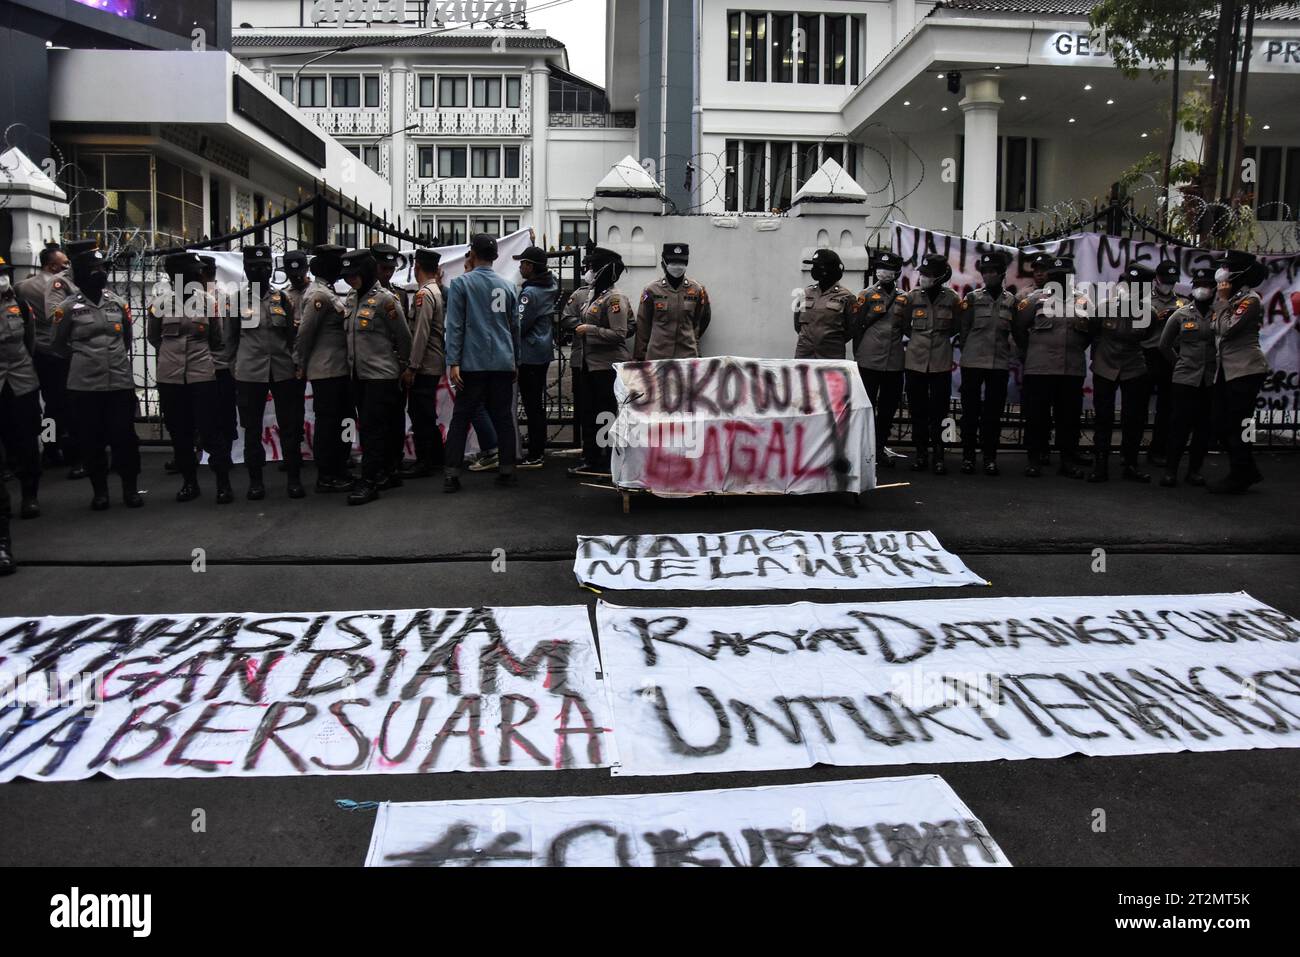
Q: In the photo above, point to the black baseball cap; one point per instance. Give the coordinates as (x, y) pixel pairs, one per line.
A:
(483, 246)
(825, 257)
(1203, 276)
(676, 252)
(183, 264)
(992, 261)
(260, 253)
(935, 266)
(356, 260)
(1167, 271)
(533, 254)
(886, 260)
(295, 260)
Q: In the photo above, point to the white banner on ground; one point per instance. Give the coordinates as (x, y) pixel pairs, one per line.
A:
(358, 692)
(1099, 257)
(763, 558)
(789, 686)
(879, 822)
(727, 424)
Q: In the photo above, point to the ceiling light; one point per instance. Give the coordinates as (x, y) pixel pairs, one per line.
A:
(1072, 119)
(943, 109)
(907, 102)
(1087, 86)
(1110, 102)
(1023, 98)
(1144, 136)
(1267, 127)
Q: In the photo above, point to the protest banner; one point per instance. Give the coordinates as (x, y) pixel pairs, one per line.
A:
(763, 558)
(360, 692)
(1102, 258)
(728, 424)
(788, 686)
(881, 822)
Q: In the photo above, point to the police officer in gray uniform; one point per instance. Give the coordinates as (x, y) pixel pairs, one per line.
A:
(570, 319)
(295, 271)
(186, 340)
(379, 347)
(1119, 366)
(95, 325)
(264, 336)
(227, 415)
(1241, 367)
(388, 260)
(1164, 302)
(878, 347)
(51, 368)
(824, 316)
(1053, 329)
(426, 365)
(20, 397)
(1187, 341)
(984, 323)
(674, 311)
(929, 318)
(320, 349)
(603, 333)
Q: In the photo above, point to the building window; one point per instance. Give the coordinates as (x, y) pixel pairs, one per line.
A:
(372, 92)
(754, 179)
(451, 162)
(487, 92)
(833, 151)
(452, 92)
(1268, 180)
(509, 226)
(426, 162)
(367, 154)
(345, 92)
(428, 229)
(733, 46)
(514, 88)
(511, 157)
(569, 97)
(1291, 186)
(855, 50)
(427, 101)
(808, 58)
(286, 87)
(733, 167)
(1016, 179)
(452, 232)
(836, 49)
(781, 153)
(490, 226)
(485, 162)
(574, 232)
(756, 47)
(808, 162)
(782, 47)
(311, 92)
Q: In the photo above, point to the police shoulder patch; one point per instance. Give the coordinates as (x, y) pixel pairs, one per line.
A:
(419, 299)
(963, 304)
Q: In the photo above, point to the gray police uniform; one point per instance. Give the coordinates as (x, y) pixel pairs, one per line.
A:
(1187, 343)
(1054, 337)
(1239, 374)
(397, 415)
(930, 324)
(101, 387)
(1119, 366)
(878, 348)
(264, 337)
(608, 312)
(379, 347)
(320, 348)
(428, 361)
(1159, 371)
(824, 322)
(20, 403)
(671, 321)
(984, 336)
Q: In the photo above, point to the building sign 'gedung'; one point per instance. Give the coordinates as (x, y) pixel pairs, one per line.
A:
(467, 12)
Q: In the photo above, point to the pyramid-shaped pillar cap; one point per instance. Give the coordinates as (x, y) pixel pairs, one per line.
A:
(830, 184)
(628, 177)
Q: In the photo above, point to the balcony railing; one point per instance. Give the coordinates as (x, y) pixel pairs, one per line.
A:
(474, 122)
(587, 121)
(350, 122)
(471, 192)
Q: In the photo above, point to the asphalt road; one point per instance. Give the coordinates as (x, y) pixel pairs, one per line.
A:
(418, 547)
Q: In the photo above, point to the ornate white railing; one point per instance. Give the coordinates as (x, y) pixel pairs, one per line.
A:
(469, 192)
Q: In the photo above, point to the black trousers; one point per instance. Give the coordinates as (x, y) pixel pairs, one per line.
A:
(106, 419)
(1233, 404)
(1135, 395)
(885, 390)
(52, 371)
(1161, 383)
(532, 392)
(20, 430)
(928, 395)
(1047, 398)
(395, 445)
(1191, 418)
(377, 400)
(594, 393)
(227, 406)
(422, 403)
(495, 391)
(289, 398)
(191, 408)
(332, 403)
(983, 397)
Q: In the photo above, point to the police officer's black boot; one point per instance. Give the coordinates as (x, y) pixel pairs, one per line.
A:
(225, 494)
(922, 462)
(295, 482)
(1100, 467)
(131, 496)
(1034, 468)
(189, 489)
(31, 506)
(1132, 473)
(99, 500)
(1068, 468)
(256, 490)
(940, 466)
(991, 466)
(968, 463)
(365, 491)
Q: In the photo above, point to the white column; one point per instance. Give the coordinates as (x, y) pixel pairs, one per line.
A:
(541, 80)
(397, 118)
(980, 158)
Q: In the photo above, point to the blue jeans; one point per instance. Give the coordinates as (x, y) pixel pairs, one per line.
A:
(483, 429)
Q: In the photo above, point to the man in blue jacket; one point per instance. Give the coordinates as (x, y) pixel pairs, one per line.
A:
(482, 356)
(536, 318)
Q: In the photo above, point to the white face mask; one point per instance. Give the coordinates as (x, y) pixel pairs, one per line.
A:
(676, 270)
(5, 284)
(1202, 293)
(927, 281)
(1222, 275)
(588, 277)
(886, 275)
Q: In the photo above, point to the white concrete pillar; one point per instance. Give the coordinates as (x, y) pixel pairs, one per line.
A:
(980, 158)
(541, 83)
(398, 120)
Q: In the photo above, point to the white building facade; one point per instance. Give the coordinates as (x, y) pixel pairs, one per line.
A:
(476, 126)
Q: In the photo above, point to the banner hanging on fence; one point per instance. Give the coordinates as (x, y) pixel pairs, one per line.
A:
(882, 822)
(1099, 257)
(788, 686)
(361, 692)
(762, 558)
(728, 424)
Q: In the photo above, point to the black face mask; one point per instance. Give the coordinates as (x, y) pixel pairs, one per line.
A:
(259, 274)
(93, 283)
